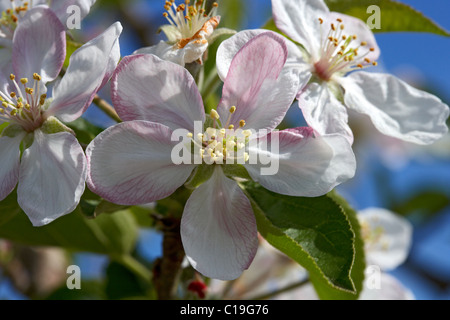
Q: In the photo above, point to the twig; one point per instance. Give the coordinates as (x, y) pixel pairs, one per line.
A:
(282, 290)
(106, 108)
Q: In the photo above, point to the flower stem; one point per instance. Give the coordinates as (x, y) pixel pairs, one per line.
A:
(106, 108)
(282, 290)
(211, 84)
(134, 266)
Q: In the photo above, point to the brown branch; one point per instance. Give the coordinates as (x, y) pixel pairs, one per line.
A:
(106, 108)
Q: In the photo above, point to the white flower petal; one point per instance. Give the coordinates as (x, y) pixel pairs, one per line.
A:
(61, 9)
(299, 20)
(52, 177)
(218, 228)
(164, 51)
(396, 108)
(385, 288)
(130, 163)
(387, 237)
(323, 112)
(145, 87)
(89, 68)
(10, 160)
(301, 165)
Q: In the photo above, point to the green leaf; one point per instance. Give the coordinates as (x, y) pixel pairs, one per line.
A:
(359, 263)
(425, 203)
(121, 283)
(395, 16)
(71, 47)
(9, 208)
(315, 232)
(84, 130)
(90, 290)
(113, 234)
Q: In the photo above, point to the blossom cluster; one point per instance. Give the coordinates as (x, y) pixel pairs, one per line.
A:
(320, 62)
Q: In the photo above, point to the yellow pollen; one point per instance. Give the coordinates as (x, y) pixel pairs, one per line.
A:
(189, 135)
(247, 133)
(12, 77)
(231, 127)
(214, 114)
(12, 94)
(360, 66)
(24, 80)
(339, 20)
(354, 37)
(36, 77)
(29, 90)
(241, 123)
(233, 109)
(363, 43)
(342, 27)
(374, 63)
(321, 20)
(372, 49)
(367, 60)
(333, 27)
(165, 14)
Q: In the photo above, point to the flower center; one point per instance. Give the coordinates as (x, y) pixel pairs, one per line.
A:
(191, 21)
(373, 238)
(340, 52)
(23, 107)
(9, 17)
(222, 144)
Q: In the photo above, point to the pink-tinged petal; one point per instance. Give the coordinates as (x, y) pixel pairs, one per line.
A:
(323, 112)
(39, 45)
(52, 177)
(294, 162)
(218, 228)
(63, 11)
(396, 108)
(130, 163)
(10, 160)
(90, 67)
(144, 87)
(164, 51)
(299, 20)
(387, 237)
(230, 47)
(256, 85)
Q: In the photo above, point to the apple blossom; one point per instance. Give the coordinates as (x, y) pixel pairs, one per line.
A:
(333, 46)
(132, 162)
(387, 238)
(38, 152)
(189, 32)
(13, 11)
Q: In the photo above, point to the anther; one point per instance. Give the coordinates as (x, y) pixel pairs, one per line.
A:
(233, 109)
(214, 114)
(241, 123)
